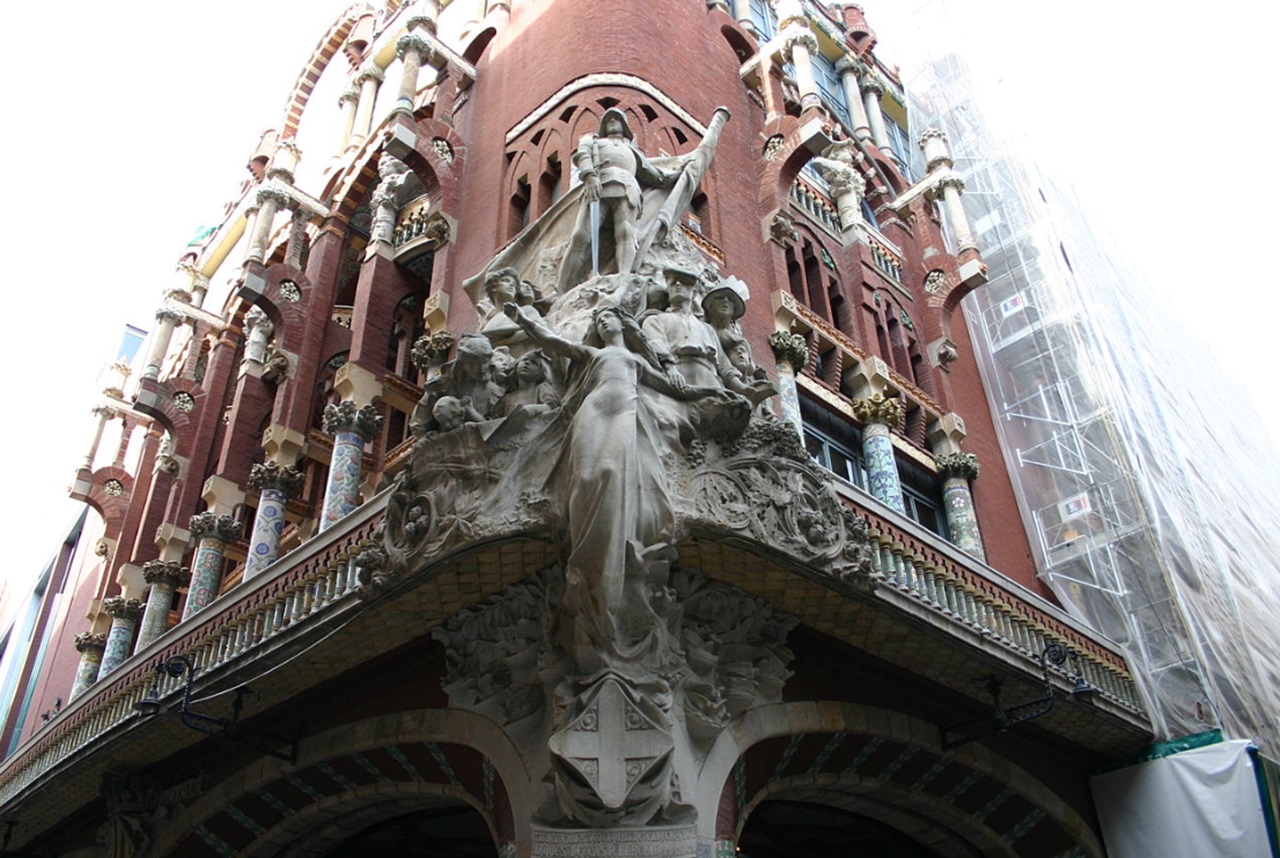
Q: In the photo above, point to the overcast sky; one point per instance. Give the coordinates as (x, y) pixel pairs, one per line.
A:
(128, 128)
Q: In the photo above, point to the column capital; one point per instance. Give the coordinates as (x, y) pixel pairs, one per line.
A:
(949, 181)
(790, 348)
(849, 64)
(170, 316)
(936, 148)
(798, 34)
(105, 412)
(347, 417)
(273, 475)
(368, 73)
(121, 608)
(870, 83)
(274, 195)
(351, 95)
(413, 42)
(209, 525)
(878, 408)
(432, 350)
(165, 572)
(90, 641)
(958, 465)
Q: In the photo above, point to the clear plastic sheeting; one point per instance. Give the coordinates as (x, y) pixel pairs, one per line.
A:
(1146, 490)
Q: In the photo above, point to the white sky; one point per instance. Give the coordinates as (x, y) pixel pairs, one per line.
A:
(128, 127)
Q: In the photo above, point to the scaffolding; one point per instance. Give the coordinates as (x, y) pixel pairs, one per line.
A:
(1145, 490)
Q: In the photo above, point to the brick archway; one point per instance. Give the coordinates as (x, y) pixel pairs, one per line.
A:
(967, 801)
(354, 776)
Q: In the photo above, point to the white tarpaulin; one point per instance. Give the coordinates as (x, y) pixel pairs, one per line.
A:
(1201, 803)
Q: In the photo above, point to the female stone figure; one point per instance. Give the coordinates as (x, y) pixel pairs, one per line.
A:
(609, 473)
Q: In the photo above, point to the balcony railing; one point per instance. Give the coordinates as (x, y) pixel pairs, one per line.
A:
(814, 203)
(886, 259)
(319, 578)
(960, 589)
(315, 587)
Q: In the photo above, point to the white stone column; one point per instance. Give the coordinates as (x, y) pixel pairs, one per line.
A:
(104, 413)
(166, 320)
(938, 159)
(872, 89)
(851, 69)
(348, 102)
(270, 201)
(800, 44)
(367, 82)
(949, 188)
(414, 52)
(742, 14)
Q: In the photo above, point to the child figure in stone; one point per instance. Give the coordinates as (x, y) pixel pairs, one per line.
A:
(450, 412)
(533, 390)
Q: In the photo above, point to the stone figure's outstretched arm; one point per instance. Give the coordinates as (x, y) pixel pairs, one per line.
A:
(537, 330)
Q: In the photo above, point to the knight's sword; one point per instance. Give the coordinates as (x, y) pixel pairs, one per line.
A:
(594, 210)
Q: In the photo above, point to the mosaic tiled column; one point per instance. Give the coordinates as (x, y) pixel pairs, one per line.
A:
(792, 354)
(124, 622)
(879, 414)
(351, 428)
(90, 647)
(277, 483)
(164, 578)
(957, 470)
(213, 532)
